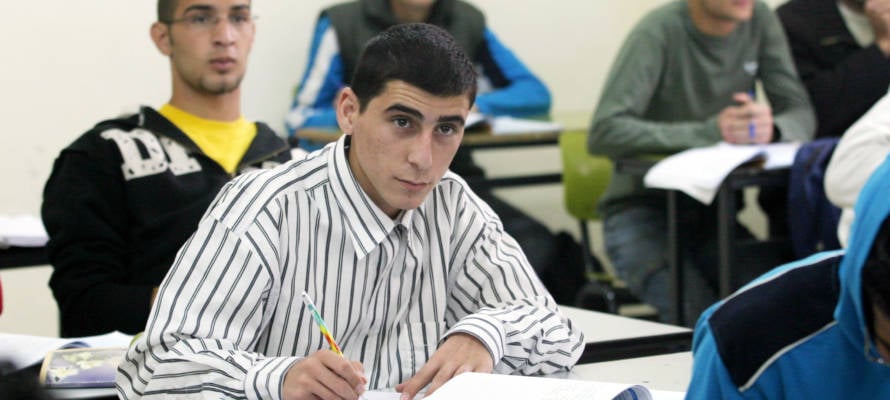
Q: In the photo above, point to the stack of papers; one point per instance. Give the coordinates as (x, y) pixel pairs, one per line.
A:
(698, 172)
(22, 231)
(472, 385)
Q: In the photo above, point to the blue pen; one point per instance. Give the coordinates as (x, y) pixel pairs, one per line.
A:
(752, 132)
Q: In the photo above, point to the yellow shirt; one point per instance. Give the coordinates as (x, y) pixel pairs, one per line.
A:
(223, 142)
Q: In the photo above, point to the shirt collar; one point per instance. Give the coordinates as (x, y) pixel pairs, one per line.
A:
(367, 224)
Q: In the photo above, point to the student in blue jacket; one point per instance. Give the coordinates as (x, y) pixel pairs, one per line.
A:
(815, 328)
(507, 87)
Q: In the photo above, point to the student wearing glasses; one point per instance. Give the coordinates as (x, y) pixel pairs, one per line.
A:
(412, 273)
(125, 195)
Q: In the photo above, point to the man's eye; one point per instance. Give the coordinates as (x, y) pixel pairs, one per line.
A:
(401, 122)
(239, 18)
(447, 130)
(200, 19)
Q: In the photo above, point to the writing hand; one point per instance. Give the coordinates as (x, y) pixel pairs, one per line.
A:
(459, 353)
(324, 375)
(736, 122)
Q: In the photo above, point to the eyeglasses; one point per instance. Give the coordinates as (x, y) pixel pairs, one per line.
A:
(205, 21)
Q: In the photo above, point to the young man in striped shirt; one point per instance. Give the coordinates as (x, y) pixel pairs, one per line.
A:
(413, 273)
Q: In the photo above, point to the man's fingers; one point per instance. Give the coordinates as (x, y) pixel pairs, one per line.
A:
(413, 385)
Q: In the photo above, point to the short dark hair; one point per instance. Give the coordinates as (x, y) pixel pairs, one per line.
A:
(876, 272)
(419, 54)
(166, 9)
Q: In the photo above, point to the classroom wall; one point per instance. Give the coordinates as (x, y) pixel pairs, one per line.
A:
(69, 64)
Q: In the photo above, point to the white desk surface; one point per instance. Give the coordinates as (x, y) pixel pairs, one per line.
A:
(670, 372)
(598, 326)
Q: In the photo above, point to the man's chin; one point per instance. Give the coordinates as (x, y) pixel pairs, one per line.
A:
(220, 87)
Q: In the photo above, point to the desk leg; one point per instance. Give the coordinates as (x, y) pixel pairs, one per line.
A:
(725, 237)
(674, 258)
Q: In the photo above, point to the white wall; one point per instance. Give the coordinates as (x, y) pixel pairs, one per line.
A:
(69, 64)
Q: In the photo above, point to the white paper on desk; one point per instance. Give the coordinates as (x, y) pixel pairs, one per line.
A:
(511, 126)
(698, 172)
(505, 125)
(472, 385)
(26, 350)
(780, 155)
(22, 230)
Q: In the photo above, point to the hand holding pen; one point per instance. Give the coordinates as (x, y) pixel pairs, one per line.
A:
(748, 122)
(325, 373)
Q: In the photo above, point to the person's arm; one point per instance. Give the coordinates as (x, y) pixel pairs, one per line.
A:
(203, 328)
(792, 113)
(710, 379)
(313, 103)
(860, 151)
(500, 316)
(518, 92)
(619, 127)
(85, 215)
(842, 93)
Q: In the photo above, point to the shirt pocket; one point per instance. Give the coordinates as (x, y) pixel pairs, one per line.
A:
(417, 343)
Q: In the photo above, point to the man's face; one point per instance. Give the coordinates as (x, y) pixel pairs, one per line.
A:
(881, 332)
(728, 10)
(402, 143)
(208, 42)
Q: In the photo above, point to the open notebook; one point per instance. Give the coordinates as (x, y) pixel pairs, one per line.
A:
(472, 385)
(699, 171)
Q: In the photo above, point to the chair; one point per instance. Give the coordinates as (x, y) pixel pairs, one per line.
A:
(584, 179)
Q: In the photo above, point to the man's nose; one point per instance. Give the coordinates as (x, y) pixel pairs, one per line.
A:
(224, 32)
(421, 152)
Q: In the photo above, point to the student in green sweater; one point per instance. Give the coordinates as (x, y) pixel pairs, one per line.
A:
(684, 79)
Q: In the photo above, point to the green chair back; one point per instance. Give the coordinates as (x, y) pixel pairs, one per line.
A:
(584, 176)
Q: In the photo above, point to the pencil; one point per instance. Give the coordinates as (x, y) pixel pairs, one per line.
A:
(752, 132)
(320, 322)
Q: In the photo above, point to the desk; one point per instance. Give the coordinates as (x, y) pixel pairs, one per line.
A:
(611, 337)
(13, 257)
(742, 177)
(662, 372)
(479, 140)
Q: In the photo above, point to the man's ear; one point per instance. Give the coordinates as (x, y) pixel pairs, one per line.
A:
(160, 34)
(347, 110)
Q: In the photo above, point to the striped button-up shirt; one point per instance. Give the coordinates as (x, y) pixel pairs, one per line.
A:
(229, 320)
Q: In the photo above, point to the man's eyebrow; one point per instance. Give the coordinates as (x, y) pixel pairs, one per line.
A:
(417, 114)
(452, 118)
(198, 7)
(405, 109)
(207, 7)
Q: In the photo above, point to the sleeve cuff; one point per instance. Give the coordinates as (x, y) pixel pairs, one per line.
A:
(487, 329)
(266, 378)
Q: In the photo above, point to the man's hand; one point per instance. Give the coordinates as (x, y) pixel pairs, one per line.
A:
(460, 353)
(324, 375)
(878, 14)
(746, 123)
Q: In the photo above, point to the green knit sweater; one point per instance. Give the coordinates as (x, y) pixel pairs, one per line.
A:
(670, 81)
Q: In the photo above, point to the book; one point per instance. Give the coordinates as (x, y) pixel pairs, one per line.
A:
(26, 350)
(22, 231)
(472, 385)
(699, 171)
(504, 125)
(86, 367)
